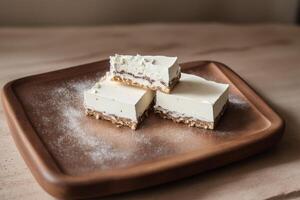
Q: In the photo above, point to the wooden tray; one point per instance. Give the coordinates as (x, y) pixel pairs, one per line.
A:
(74, 156)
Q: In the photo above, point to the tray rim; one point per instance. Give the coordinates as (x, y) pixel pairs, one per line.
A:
(47, 172)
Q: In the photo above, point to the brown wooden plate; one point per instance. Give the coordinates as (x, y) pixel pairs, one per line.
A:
(74, 156)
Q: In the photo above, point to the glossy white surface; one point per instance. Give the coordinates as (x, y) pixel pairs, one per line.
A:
(194, 97)
(113, 98)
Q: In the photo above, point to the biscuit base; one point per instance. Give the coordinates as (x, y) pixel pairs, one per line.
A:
(192, 122)
(166, 89)
(118, 121)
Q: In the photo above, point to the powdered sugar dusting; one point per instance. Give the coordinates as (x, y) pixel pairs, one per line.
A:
(238, 101)
(82, 144)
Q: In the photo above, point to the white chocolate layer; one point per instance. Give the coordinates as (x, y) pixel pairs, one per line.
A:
(156, 68)
(113, 98)
(194, 97)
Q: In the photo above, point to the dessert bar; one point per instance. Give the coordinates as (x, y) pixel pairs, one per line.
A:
(121, 104)
(153, 72)
(194, 101)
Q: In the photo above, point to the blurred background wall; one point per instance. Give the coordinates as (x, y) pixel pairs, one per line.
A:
(98, 12)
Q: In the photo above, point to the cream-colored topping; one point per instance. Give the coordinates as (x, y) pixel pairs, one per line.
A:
(195, 97)
(157, 68)
(117, 99)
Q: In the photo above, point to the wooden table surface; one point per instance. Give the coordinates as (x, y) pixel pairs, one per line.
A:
(267, 56)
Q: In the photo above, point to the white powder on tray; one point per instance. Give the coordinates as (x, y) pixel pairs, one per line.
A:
(79, 146)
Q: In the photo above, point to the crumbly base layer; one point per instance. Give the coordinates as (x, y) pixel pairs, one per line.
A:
(166, 89)
(118, 121)
(166, 114)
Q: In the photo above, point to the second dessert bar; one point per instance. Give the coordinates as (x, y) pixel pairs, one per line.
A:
(152, 72)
